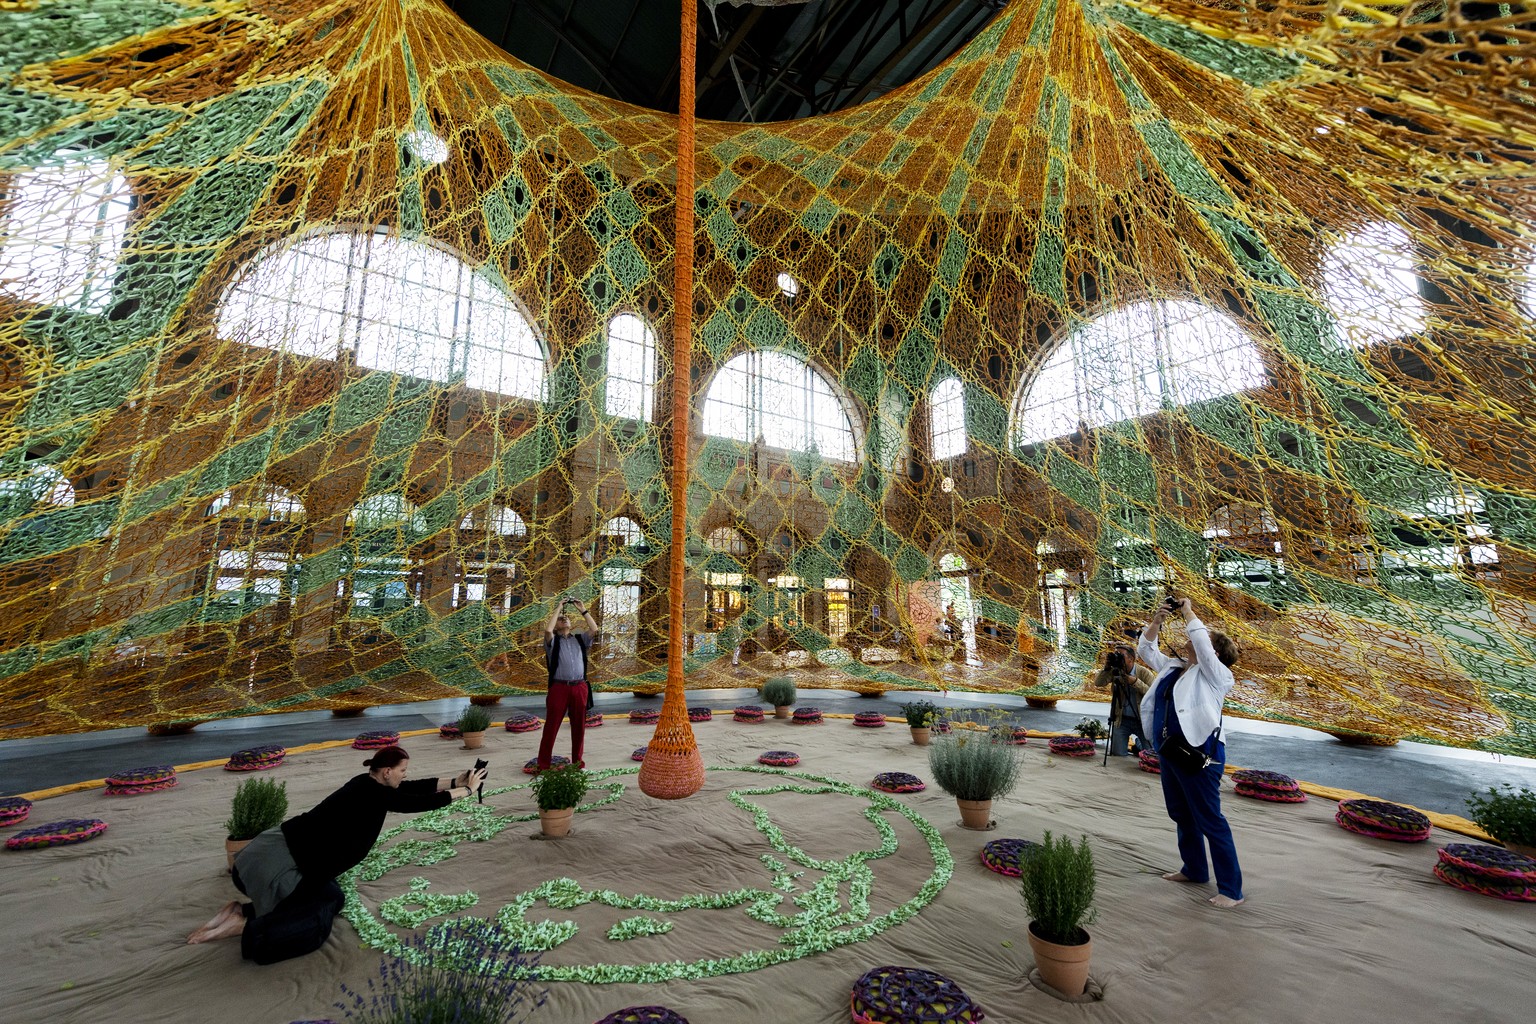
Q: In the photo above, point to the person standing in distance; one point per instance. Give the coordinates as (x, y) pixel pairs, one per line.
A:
(566, 655)
(1185, 700)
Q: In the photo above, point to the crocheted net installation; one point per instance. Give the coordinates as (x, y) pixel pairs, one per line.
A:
(335, 346)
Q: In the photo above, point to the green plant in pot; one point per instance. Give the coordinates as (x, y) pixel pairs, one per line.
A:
(780, 692)
(1057, 883)
(473, 721)
(558, 791)
(1092, 729)
(1507, 814)
(975, 768)
(920, 717)
(258, 804)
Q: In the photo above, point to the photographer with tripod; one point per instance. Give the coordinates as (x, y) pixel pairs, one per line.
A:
(1127, 682)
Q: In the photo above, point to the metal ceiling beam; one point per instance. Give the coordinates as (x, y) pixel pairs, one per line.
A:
(584, 51)
(728, 49)
(926, 28)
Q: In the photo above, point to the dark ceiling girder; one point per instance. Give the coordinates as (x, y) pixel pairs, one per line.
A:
(728, 49)
(921, 32)
(619, 85)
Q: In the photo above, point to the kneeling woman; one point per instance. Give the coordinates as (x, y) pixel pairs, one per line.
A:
(290, 872)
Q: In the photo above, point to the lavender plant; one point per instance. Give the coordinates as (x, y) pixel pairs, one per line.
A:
(460, 972)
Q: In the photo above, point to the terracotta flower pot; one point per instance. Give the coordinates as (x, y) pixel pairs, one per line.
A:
(921, 736)
(976, 814)
(1064, 968)
(781, 710)
(472, 740)
(232, 848)
(557, 822)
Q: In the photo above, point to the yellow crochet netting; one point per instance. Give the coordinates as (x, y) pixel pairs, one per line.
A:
(334, 345)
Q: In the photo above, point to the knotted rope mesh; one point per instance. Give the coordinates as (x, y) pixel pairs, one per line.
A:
(329, 358)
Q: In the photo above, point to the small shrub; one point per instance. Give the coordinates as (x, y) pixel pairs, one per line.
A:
(974, 766)
(462, 972)
(1092, 728)
(1507, 814)
(1057, 885)
(258, 804)
(559, 788)
(474, 719)
(779, 691)
(920, 713)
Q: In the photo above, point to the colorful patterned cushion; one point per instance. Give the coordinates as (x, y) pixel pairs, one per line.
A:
(594, 719)
(1020, 736)
(557, 761)
(378, 739)
(1504, 889)
(806, 716)
(639, 754)
(1256, 779)
(644, 716)
(869, 720)
(943, 726)
(1381, 820)
(700, 714)
(149, 787)
(1004, 855)
(1147, 761)
(1274, 796)
(898, 782)
(779, 758)
(910, 995)
(14, 810)
(750, 713)
(522, 721)
(1072, 746)
(644, 1015)
(1490, 862)
(153, 775)
(450, 731)
(256, 759)
(57, 833)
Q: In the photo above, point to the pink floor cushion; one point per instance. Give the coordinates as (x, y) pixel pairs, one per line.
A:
(943, 726)
(869, 720)
(1382, 820)
(450, 731)
(522, 721)
(1274, 796)
(700, 714)
(898, 782)
(1255, 779)
(910, 995)
(14, 810)
(142, 776)
(1502, 888)
(149, 787)
(749, 713)
(806, 716)
(779, 758)
(57, 833)
(594, 719)
(256, 759)
(644, 1015)
(1004, 855)
(376, 740)
(1147, 761)
(1020, 736)
(1493, 863)
(639, 754)
(1072, 746)
(557, 761)
(645, 716)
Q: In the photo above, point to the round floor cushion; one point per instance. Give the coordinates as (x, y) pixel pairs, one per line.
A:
(1274, 796)
(779, 758)
(806, 716)
(522, 721)
(14, 810)
(378, 739)
(1072, 746)
(594, 719)
(1491, 862)
(1382, 820)
(1020, 736)
(450, 731)
(141, 780)
(57, 833)
(869, 720)
(645, 716)
(910, 995)
(749, 713)
(700, 715)
(1147, 761)
(1005, 855)
(1501, 888)
(532, 767)
(639, 754)
(644, 1015)
(256, 759)
(898, 782)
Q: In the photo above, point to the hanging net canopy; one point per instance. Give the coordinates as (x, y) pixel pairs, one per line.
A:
(335, 345)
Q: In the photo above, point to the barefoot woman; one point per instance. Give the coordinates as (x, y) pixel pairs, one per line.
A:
(290, 872)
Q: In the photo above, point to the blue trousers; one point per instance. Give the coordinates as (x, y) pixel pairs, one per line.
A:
(1120, 734)
(1194, 803)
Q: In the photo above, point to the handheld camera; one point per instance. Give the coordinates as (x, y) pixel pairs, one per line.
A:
(480, 763)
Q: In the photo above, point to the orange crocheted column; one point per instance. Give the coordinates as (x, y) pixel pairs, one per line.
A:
(673, 768)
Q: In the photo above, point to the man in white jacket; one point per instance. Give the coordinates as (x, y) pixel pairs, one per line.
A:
(1185, 699)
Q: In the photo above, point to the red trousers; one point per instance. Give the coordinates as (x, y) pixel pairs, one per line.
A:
(563, 699)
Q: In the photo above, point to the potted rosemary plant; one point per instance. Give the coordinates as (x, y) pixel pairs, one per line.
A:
(920, 715)
(473, 721)
(558, 791)
(780, 692)
(974, 767)
(1057, 884)
(258, 804)
(1509, 815)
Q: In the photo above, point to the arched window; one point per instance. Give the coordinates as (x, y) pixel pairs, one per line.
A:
(381, 510)
(782, 398)
(946, 418)
(397, 304)
(1447, 533)
(631, 382)
(1132, 361)
(61, 231)
(43, 485)
(274, 503)
(624, 530)
(504, 522)
(728, 541)
(1372, 287)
